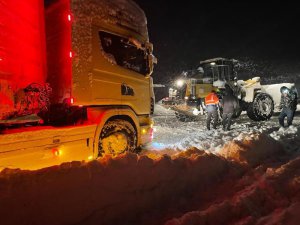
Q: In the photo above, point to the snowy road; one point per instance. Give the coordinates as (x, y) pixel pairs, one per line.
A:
(171, 134)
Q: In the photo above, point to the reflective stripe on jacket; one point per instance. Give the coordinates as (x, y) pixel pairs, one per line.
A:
(211, 99)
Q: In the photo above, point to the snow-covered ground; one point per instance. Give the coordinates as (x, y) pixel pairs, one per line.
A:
(172, 134)
(187, 176)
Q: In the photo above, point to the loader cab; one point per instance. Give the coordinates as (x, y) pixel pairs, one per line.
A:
(219, 70)
(212, 74)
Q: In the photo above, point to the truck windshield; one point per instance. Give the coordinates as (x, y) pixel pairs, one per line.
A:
(119, 50)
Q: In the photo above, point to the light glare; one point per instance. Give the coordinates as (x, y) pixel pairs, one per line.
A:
(180, 83)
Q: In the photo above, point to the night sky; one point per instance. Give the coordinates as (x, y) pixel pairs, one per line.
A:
(185, 32)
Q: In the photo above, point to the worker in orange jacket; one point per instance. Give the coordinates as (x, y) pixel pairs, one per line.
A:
(211, 103)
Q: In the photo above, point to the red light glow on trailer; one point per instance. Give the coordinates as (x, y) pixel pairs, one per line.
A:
(22, 59)
(60, 48)
(72, 101)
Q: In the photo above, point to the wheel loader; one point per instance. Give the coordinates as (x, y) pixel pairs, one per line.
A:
(218, 74)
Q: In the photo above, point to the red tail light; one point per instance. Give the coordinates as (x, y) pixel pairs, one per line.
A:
(69, 17)
(151, 133)
(55, 152)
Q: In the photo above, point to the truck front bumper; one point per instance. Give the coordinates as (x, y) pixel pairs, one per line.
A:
(146, 133)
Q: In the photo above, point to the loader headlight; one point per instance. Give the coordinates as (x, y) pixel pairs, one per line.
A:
(179, 83)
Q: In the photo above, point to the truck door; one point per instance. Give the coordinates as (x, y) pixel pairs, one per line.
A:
(123, 72)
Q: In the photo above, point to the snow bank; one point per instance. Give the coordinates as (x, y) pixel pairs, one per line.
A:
(106, 191)
(272, 198)
(284, 132)
(251, 150)
(132, 189)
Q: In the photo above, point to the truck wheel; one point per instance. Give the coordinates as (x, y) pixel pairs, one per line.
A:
(261, 108)
(117, 136)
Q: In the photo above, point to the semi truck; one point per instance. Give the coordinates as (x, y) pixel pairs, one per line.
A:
(75, 81)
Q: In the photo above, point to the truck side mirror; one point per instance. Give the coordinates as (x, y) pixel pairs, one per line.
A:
(151, 60)
(150, 57)
(154, 59)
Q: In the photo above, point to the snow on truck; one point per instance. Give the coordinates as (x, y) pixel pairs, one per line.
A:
(74, 80)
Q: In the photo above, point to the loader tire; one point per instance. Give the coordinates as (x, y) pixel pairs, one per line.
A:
(261, 108)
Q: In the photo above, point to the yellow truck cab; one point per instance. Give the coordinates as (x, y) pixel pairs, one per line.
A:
(91, 93)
